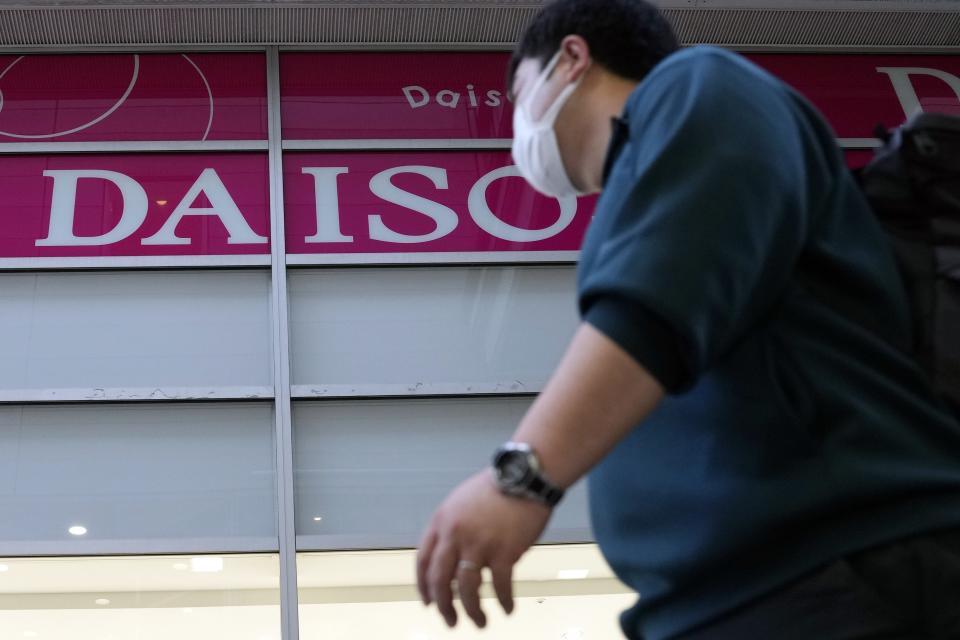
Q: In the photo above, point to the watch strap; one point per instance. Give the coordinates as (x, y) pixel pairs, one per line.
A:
(544, 491)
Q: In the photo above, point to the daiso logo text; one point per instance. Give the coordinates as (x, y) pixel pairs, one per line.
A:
(334, 203)
(469, 96)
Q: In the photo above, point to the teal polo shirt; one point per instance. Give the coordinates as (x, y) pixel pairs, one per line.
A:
(732, 255)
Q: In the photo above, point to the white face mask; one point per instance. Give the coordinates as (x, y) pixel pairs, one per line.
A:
(535, 150)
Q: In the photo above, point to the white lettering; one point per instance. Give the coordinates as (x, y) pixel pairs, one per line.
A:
(382, 187)
(418, 96)
(424, 99)
(449, 99)
(224, 207)
(63, 209)
(906, 94)
(327, 203)
(486, 220)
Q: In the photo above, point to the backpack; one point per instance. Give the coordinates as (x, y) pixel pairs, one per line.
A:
(913, 185)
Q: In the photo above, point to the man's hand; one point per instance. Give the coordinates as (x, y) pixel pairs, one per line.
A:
(476, 527)
(595, 397)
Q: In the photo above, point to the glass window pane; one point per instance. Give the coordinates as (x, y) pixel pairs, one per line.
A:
(371, 594)
(374, 470)
(131, 96)
(129, 474)
(146, 598)
(434, 330)
(379, 95)
(134, 330)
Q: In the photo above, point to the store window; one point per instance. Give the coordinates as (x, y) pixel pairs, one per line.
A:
(133, 96)
(394, 95)
(430, 290)
(187, 597)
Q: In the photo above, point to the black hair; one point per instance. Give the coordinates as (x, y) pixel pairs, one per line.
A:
(626, 37)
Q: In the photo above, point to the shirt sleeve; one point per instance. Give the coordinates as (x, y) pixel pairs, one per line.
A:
(703, 218)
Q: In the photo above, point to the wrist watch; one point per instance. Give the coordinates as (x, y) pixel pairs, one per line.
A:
(516, 469)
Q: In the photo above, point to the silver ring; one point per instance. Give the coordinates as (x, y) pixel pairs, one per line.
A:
(467, 565)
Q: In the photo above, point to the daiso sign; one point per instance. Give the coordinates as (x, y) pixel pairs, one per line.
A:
(336, 204)
(67, 206)
(438, 202)
(133, 208)
(161, 158)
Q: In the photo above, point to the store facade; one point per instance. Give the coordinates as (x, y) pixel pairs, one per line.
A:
(262, 306)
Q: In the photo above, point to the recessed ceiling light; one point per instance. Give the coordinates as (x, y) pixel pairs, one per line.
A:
(77, 530)
(572, 574)
(101, 601)
(317, 518)
(206, 564)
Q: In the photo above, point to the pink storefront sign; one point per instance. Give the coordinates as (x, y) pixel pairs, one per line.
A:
(858, 92)
(107, 206)
(416, 207)
(394, 96)
(129, 96)
(858, 158)
(337, 96)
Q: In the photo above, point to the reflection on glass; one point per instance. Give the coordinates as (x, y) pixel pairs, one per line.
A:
(371, 594)
(147, 598)
(131, 96)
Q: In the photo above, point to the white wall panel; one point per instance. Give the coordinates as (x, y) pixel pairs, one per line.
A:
(428, 330)
(133, 330)
(136, 472)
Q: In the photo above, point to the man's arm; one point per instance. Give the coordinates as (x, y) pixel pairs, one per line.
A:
(596, 396)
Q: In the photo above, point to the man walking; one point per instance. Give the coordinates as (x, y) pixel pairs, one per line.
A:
(765, 458)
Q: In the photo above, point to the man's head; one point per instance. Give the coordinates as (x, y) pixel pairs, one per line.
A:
(603, 48)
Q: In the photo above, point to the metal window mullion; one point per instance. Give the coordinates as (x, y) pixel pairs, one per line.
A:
(135, 547)
(463, 144)
(400, 144)
(149, 47)
(60, 395)
(289, 614)
(124, 147)
(380, 391)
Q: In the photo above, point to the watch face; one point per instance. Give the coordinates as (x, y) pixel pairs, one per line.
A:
(513, 468)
